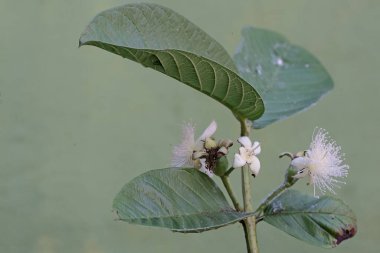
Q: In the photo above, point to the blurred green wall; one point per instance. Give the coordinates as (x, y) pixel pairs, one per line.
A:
(76, 124)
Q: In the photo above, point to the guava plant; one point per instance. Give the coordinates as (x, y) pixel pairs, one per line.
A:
(267, 80)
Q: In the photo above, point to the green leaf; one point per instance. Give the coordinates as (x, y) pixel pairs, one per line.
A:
(288, 78)
(183, 200)
(324, 221)
(161, 39)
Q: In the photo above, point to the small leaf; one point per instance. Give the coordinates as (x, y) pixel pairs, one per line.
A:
(324, 221)
(288, 77)
(183, 200)
(161, 39)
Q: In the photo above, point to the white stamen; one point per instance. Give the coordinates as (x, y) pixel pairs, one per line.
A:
(323, 163)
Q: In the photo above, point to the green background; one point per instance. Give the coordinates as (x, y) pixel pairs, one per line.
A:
(76, 124)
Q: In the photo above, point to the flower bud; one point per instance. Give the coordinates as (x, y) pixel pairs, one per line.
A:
(221, 166)
(225, 143)
(210, 143)
(222, 151)
(290, 178)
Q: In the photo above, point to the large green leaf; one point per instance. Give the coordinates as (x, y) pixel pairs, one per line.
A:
(183, 200)
(288, 77)
(324, 221)
(161, 39)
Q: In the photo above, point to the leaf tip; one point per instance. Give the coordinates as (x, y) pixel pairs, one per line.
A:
(80, 43)
(346, 233)
(115, 215)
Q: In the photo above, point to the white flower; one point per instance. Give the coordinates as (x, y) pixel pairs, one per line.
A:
(183, 153)
(247, 155)
(322, 163)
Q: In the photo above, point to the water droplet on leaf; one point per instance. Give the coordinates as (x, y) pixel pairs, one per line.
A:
(259, 70)
(279, 61)
(277, 207)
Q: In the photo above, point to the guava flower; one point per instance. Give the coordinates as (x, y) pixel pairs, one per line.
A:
(322, 163)
(189, 152)
(248, 155)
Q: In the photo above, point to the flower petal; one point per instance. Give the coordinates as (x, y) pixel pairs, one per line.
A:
(238, 161)
(208, 132)
(243, 152)
(255, 166)
(300, 162)
(256, 148)
(245, 141)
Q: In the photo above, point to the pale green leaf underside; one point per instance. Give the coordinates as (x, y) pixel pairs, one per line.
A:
(183, 200)
(288, 77)
(324, 221)
(163, 40)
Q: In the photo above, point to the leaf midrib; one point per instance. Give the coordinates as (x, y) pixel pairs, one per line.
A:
(231, 211)
(306, 213)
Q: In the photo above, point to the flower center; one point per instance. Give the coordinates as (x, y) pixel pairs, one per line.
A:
(247, 154)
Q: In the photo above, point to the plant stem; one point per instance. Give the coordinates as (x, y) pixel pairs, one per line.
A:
(249, 224)
(288, 182)
(228, 172)
(280, 189)
(227, 185)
